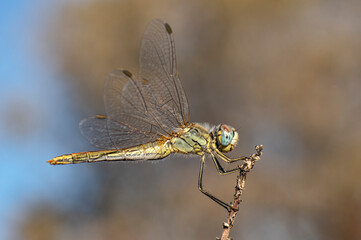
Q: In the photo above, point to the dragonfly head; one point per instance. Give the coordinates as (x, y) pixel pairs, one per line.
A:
(226, 137)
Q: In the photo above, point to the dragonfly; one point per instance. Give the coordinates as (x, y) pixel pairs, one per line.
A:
(147, 117)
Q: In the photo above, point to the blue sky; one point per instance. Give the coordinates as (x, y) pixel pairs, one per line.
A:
(29, 83)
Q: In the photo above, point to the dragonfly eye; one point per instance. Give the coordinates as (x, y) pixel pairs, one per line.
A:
(226, 138)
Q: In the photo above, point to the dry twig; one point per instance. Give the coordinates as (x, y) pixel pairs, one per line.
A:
(241, 181)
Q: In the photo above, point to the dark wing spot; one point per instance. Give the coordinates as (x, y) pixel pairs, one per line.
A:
(168, 28)
(127, 73)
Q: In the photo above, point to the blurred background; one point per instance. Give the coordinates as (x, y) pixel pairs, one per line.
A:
(286, 73)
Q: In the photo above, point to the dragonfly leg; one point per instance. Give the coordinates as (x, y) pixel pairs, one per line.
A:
(219, 167)
(229, 160)
(200, 187)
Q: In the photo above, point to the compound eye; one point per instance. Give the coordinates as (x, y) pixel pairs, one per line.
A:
(226, 135)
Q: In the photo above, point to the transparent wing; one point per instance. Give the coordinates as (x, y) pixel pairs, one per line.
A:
(142, 110)
(128, 121)
(106, 133)
(159, 75)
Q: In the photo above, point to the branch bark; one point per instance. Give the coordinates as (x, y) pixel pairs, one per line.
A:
(241, 181)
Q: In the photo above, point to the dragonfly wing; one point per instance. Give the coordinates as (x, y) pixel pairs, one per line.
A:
(159, 76)
(128, 121)
(127, 102)
(145, 109)
(111, 134)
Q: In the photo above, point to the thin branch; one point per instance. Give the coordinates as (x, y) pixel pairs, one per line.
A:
(241, 181)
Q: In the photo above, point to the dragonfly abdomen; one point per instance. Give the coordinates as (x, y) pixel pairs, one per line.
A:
(82, 157)
(148, 151)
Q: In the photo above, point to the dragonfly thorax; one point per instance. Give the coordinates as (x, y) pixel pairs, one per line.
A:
(226, 137)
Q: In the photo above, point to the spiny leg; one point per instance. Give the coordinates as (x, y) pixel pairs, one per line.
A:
(200, 187)
(219, 167)
(227, 159)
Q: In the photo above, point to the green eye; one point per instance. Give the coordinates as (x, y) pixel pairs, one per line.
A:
(226, 138)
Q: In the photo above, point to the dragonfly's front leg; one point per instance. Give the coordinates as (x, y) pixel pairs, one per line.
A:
(219, 167)
(200, 187)
(229, 160)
